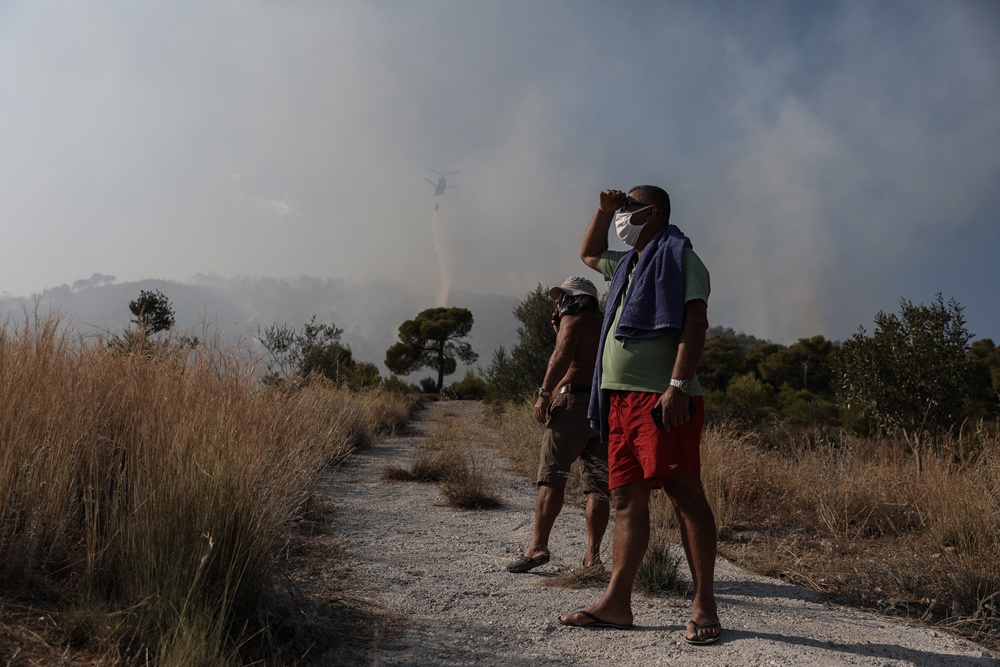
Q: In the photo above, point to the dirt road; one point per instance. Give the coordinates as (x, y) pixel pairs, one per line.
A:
(444, 569)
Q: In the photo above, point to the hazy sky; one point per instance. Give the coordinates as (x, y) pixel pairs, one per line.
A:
(826, 158)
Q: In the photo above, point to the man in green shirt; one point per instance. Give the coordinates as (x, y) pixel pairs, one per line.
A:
(646, 398)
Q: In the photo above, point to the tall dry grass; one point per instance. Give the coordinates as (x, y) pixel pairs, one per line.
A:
(145, 495)
(854, 518)
(859, 520)
(519, 439)
(449, 458)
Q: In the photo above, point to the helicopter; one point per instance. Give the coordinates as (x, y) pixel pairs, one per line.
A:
(440, 186)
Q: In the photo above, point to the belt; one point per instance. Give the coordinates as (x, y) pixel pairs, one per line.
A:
(574, 389)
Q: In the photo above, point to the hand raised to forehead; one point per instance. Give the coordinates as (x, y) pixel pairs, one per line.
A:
(611, 200)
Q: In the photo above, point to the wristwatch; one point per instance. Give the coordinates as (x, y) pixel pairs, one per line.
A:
(541, 393)
(683, 385)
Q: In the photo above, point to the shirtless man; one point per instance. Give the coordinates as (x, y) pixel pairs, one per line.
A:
(562, 406)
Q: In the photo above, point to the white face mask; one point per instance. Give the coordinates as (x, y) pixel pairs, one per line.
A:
(628, 232)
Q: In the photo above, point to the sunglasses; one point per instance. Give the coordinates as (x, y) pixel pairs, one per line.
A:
(630, 202)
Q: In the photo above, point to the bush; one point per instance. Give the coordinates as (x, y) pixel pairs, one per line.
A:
(749, 398)
(803, 408)
(428, 465)
(659, 572)
(912, 373)
(364, 375)
(398, 385)
(469, 487)
(315, 352)
(470, 388)
(466, 482)
(514, 375)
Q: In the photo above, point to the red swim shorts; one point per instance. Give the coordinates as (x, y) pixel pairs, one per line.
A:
(638, 450)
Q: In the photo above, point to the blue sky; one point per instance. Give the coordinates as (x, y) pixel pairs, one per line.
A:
(826, 158)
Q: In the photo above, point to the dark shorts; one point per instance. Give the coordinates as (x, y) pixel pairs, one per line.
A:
(568, 437)
(638, 450)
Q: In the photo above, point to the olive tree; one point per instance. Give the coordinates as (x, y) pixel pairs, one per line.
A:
(514, 374)
(912, 373)
(315, 351)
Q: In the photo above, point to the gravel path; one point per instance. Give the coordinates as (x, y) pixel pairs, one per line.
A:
(444, 569)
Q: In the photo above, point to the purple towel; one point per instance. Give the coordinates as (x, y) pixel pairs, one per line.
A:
(656, 301)
(654, 305)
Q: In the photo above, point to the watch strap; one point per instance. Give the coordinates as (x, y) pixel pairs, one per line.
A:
(683, 385)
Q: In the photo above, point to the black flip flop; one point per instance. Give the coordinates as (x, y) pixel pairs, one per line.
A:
(596, 622)
(524, 563)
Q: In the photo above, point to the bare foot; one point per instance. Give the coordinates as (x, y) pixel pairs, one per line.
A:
(537, 552)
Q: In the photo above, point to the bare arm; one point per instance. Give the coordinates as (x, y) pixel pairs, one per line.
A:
(570, 331)
(692, 343)
(595, 240)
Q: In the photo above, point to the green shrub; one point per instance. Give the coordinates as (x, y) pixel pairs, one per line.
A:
(803, 408)
(749, 398)
(470, 388)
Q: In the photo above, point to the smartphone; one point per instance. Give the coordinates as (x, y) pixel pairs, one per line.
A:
(657, 412)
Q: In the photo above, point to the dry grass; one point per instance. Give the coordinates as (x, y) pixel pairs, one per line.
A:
(520, 440)
(449, 458)
(469, 486)
(660, 571)
(323, 604)
(427, 466)
(853, 518)
(595, 576)
(856, 519)
(386, 413)
(144, 497)
(431, 463)
(519, 434)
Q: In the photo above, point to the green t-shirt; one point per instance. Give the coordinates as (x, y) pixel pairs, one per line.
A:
(646, 365)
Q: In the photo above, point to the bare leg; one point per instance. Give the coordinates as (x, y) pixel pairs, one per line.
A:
(698, 535)
(547, 507)
(630, 542)
(598, 512)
